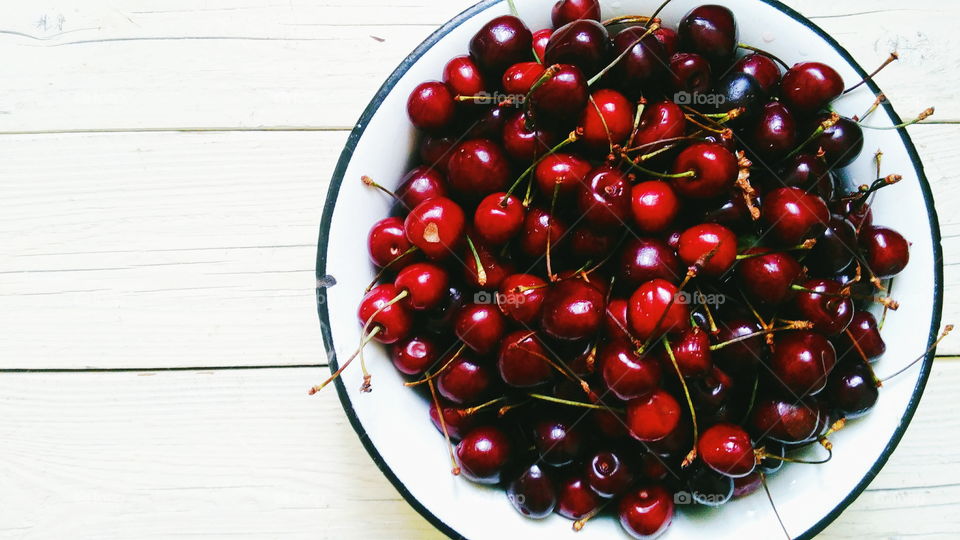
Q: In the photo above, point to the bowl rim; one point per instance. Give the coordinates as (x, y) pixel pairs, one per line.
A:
(387, 87)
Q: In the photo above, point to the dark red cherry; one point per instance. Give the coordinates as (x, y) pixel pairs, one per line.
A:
(394, 321)
(496, 223)
(654, 310)
(558, 442)
(787, 420)
(521, 297)
(646, 511)
(561, 99)
(496, 266)
(793, 215)
(762, 68)
(715, 167)
(742, 355)
(708, 487)
(561, 172)
(653, 416)
(539, 228)
(572, 309)
(732, 212)
(727, 449)
(533, 493)
(841, 143)
(774, 134)
(644, 65)
(576, 500)
(436, 227)
(488, 126)
(711, 246)
(809, 173)
(500, 43)
(607, 121)
(421, 184)
(431, 106)
(834, 251)
(426, 284)
(851, 390)
(644, 259)
(583, 43)
(524, 141)
(434, 151)
(886, 251)
(692, 352)
(746, 485)
(808, 87)
(712, 391)
(738, 91)
(604, 198)
(387, 241)
(540, 40)
(519, 78)
(829, 313)
(589, 244)
(668, 40)
(862, 330)
(859, 213)
(627, 375)
(689, 73)
(608, 474)
(478, 167)
(654, 206)
(480, 326)
(567, 11)
(463, 77)
(709, 30)
(465, 381)
(767, 278)
(802, 360)
(522, 360)
(615, 321)
(483, 454)
(458, 421)
(415, 354)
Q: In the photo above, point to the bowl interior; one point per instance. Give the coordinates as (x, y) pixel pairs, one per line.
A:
(393, 420)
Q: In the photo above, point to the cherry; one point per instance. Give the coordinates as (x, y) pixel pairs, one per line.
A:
(858, 212)
(767, 278)
(762, 68)
(561, 172)
(712, 391)
(501, 42)
(498, 218)
(588, 244)
(787, 420)
(458, 421)
(567, 11)
(572, 309)
(654, 310)
(808, 86)
(646, 511)
(583, 43)
(518, 79)
(604, 198)
(431, 106)
(560, 99)
(496, 267)
(739, 91)
(653, 417)
(615, 320)
(726, 448)
(436, 227)
(539, 228)
(659, 121)
(654, 206)
(809, 173)
(851, 390)
(829, 313)
(732, 212)
(483, 454)
(576, 500)
(834, 251)
(607, 120)
(692, 352)
(413, 355)
(708, 487)
(689, 72)
(711, 246)
(770, 464)
(521, 297)
(434, 151)
(488, 126)
(477, 167)
(608, 475)
(464, 381)
(521, 360)
(864, 332)
(480, 326)
(421, 184)
(742, 355)
(802, 360)
(841, 143)
(793, 215)
(645, 62)
(644, 259)
(714, 166)
(709, 30)
(463, 76)
(775, 133)
(886, 251)
(558, 442)
(394, 320)
(533, 493)
(668, 40)
(426, 284)
(523, 141)
(540, 40)
(440, 319)
(745, 485)
(626, 374)
(387, 241)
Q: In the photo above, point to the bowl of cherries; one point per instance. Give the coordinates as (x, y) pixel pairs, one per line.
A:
(629, 269)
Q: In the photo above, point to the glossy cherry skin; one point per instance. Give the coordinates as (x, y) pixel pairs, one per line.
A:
(731, 211)
(572, 309)
(458, 421)
(576, 500)
(762, 68)
(521, 297)
(413, 355)
(834, 251)
(690, 73)
(851, 390)
(387, 241)
(523, 140)
(558, 442)
(864, 332)
(715, 167)
(478, 167)
(787, 420)
(793, 215)
(830, 315)
(563, 173)
(436, 227)
(604, 198)
(426, 284)
(615, 321)
(710, 246)
(711, 31)
(654, 416)
(739, 91)
(434, 151)
(742, 355)
(395, 321)
(496, 267)
(463, 77)
(809, 173)
(713, 390)
(668, 40)
(841, 143)
(539, 228)
(886, 251)
(521, 361)
(431, 106)
(644, 65)
(767, 278)
(644, 259)
(653, 206)
(519, 78)
(607, 120)
(488, 126)
(480, 326)
(802, 360)
(421, 184)
(567, 11)
(654, 310)
(560, 100)
(692, 352)
(540, 40)
(608, 475)
(727, 449)
(500, 43)
(807, 87)
(583, 43)
(646, 511)
(627, 375)
(483, 453)
(496, 223)
(659, 121)
(533, 493)
(465, 381)
(774, 134)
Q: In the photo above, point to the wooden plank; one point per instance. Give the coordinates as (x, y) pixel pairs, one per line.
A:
(246, 453)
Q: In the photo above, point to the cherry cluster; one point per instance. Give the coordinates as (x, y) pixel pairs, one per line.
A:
(626, 268)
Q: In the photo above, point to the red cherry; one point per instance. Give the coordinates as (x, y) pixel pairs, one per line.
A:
(561, 99)
(608, 474)
(607, 120)
(489, 125)
(604, 198)
(809, 173)
(431, 106)
(572, 309)
(521, 297)
(540, 40)
(715, 167)
(483, 454)
(500, 43)
(829, 314)
(497, 224)
(421, 184)
(414, 355)
(711, 245)
(802, 361)
(654, 416)
(767, 278)
(710, 30)
(464, 381)
(886, 251)
(654, 310)
(558, 442)
(583, 43)
(762, 68)
(387, 241)
(644, 259)
(727, 449)
(793, 215)
(615, 319)
(745, 485)
(567, 171)
(519, 78)
(538, 228)
(523, 141)
(521, 360)
(864, 332)
(668, 39)
(692, 352)
(480, 326)
(659, 121)
(566, 11)
(742, 355)
(478, 167)
(787, 420)
(427, 285)
(458, 420)
(575, 498)
(809, 86)
(627, 375)
(690, 73)
(646, 512)
(436, 227)
(463, 76)
(774, 134)
(395, 321)
(589, 244)
(435, 150)
(644, 65)
(654, 206)
(495, 267)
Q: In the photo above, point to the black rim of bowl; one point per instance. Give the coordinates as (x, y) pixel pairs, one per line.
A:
(387, 87)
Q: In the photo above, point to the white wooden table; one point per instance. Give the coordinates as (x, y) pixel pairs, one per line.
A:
(163, 164)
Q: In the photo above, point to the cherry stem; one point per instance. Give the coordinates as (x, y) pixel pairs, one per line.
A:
(481, 273)
(920, 119)
(826, 124)
(627, 19)
(653, 27)
(689, 174)
(866, 190)
(369, 337)
(863, 356)
(387, 266)
(370, 182)
(443, 427)
(873, 107)
(365, 386)
(765, 53)
(883, 315)
(513, 9)
(692, 455)
(710, 319)
(753, 398)
(890, 59)
(574, 135)
(663, 141)
(561, 401)
(835, 427)
(883, 300)
(580, 523)
(795, 325)
(946, 331)
(763, 482)
(761, 455)
(433, 375)
(659, 9)
(474, 409)
(565, 371)
(603, 121)
(807, 244)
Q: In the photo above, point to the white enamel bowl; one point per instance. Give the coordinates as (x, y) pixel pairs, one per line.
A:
(392, 421)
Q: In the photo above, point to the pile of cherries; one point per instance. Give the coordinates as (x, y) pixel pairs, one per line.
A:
(626, 271)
